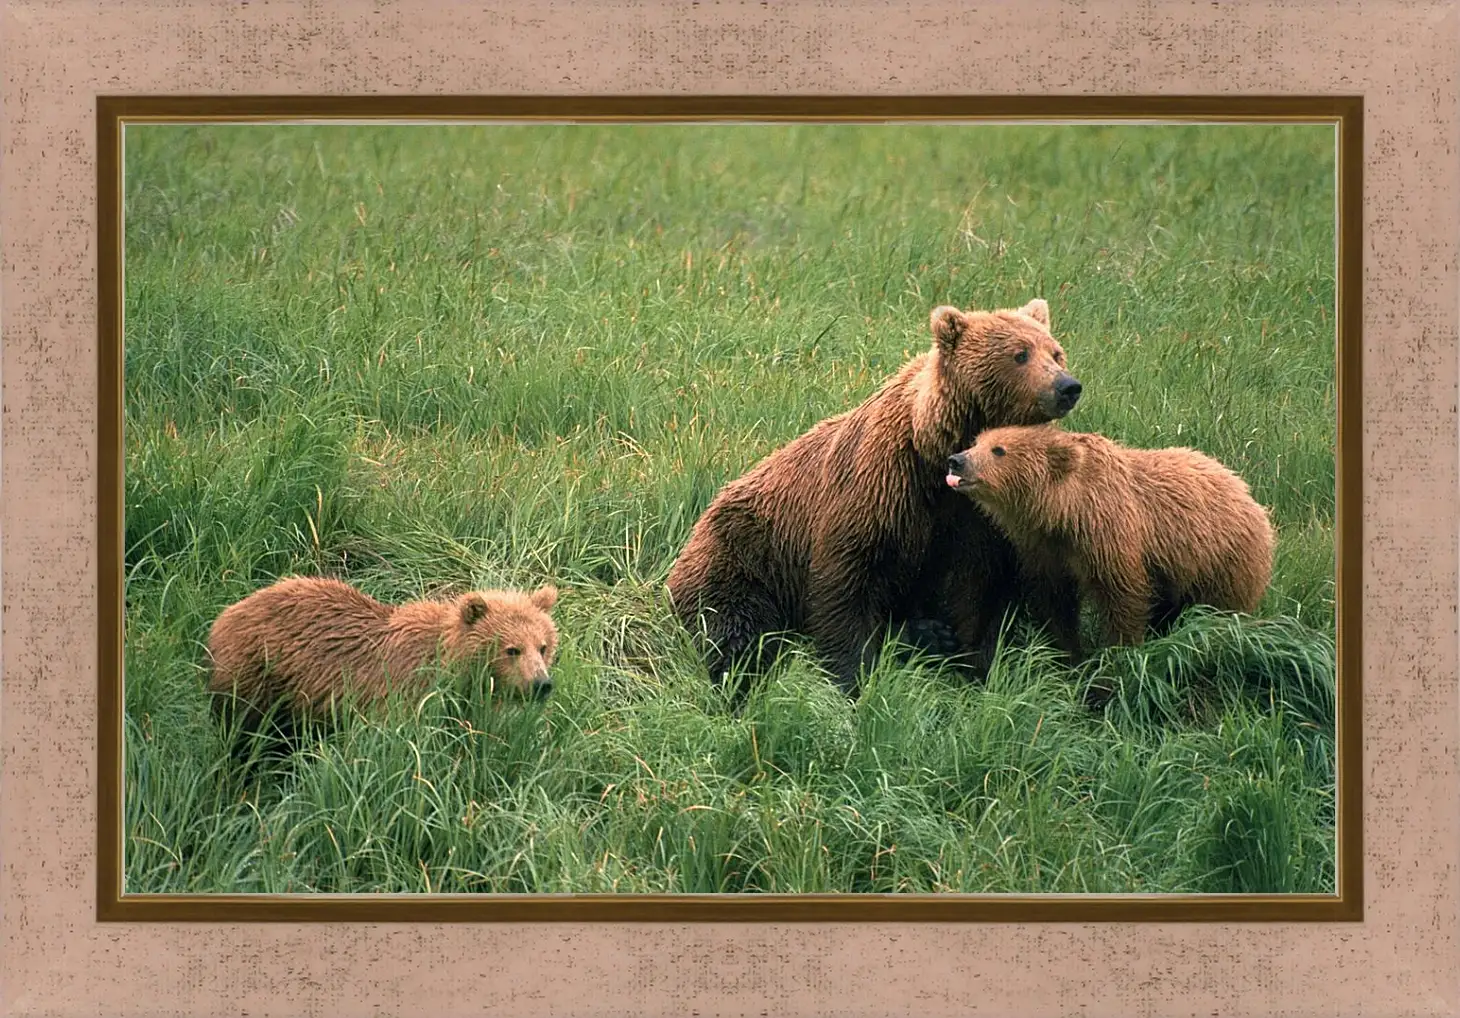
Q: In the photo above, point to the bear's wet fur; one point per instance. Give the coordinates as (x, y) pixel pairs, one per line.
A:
(280, 659)
(849, 529)
(1140, 533)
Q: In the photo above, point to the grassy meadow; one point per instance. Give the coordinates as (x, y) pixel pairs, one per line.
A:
(428, 358)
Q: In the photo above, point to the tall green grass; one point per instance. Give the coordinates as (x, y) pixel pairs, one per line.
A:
(425, 358)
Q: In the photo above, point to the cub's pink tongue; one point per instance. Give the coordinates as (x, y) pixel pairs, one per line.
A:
(953, 480)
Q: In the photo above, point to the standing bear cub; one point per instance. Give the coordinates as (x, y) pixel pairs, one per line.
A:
(1141, 533)
(304, 642)
(849, 527)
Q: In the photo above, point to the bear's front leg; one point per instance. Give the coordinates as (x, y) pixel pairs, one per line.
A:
(1054, 600)
(977, 584)
(1124, 597)
(843, 618)
(978, 606)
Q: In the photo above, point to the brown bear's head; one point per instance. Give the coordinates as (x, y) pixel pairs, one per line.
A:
(1006, 360)
(1014, 467)
(512, 633)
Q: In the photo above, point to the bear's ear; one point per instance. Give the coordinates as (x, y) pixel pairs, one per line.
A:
(1038, 309)
(949, 325)
(473, 609)
(1063, 458)
(545, 597)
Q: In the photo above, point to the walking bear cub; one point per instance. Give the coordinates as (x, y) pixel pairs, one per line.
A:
(849, 527)
(304, 641)
(1141, 533)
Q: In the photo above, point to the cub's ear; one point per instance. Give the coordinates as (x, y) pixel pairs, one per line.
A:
(1038, 309)
(473, 609)
(544, 597)
(949, 324)
(1063, 458)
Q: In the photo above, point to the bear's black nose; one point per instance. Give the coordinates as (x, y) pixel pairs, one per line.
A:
(542, 688)
(1068, 388)
(955, 463)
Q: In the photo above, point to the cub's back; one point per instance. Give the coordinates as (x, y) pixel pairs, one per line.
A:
(297, 622)
(301, 604)
(1182, 480)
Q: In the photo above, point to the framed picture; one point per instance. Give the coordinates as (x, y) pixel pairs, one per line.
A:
(579, 399)
(509, 301)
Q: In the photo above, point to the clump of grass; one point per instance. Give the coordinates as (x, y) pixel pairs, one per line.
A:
(255, 498)
(1258, 831)
(427, 359)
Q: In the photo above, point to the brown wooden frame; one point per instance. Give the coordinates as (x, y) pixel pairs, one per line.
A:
(1346, 112)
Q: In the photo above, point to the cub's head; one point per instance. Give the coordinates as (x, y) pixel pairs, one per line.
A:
(1010, 467)
(1007, 361)
(512, 633)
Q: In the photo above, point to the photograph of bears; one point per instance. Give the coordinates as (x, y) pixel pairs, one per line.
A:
(694, 508)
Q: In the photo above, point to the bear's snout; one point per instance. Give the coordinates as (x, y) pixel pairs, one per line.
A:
(960, 472)
(541, 688)
(1067, 390)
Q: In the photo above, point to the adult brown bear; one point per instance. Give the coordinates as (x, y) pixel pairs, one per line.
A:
(850, 527)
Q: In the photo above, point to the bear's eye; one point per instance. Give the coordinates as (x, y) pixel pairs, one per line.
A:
(1022, 357)
(513, 651)
(542, 649)
(998, 450)
(1059, 356)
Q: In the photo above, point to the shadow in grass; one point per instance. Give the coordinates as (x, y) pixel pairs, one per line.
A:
(1213, 659)
(1268, 682)
(1261, 830)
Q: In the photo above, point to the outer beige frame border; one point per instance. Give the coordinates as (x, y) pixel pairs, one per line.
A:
(60, 53)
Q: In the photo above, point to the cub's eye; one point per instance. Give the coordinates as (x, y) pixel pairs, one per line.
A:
(1022, 357)
(513, 651)
(998, 450)
(542, 649)
(1059, 357)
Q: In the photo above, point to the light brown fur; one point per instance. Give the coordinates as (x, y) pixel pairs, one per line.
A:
(308, 640)
(1142, 533)
(849, 526)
